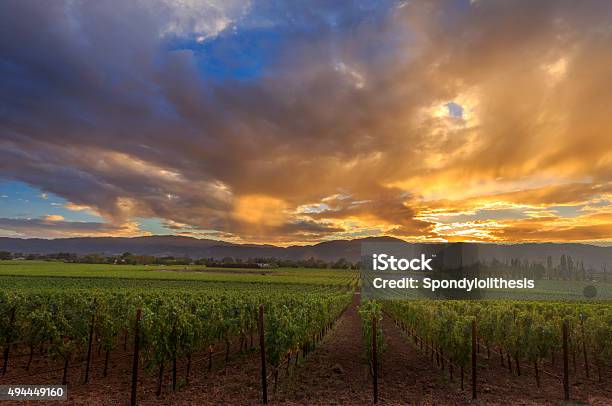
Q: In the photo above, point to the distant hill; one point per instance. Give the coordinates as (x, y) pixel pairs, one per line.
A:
(592, 256)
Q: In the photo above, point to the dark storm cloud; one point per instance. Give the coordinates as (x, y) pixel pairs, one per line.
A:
(100, 105)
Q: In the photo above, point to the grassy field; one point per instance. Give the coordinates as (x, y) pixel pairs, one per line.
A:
(21, 274)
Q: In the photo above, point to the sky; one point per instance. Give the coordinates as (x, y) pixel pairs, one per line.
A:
(305, 121)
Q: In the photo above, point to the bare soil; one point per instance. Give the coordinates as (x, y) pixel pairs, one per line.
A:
(335, 373)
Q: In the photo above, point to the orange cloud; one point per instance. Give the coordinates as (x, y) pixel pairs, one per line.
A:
(427, 121)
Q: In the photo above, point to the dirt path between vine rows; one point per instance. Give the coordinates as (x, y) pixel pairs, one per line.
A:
(407, 377)
(337, 373)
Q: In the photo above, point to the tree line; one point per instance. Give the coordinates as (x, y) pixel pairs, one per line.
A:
(128, 258)
(566, 268)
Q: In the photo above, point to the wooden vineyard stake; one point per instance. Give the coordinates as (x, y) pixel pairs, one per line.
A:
(431, 353)
(509, 361)
(518, 366)
(474, 390)
(30, 357)
(584, 350)
(8, 342)
(174, 372)
(65, 376)
(262, 350)
(210, 351)
(598, 363)
(160, 379)
(90, 343)
(106, 356)
(374, 359)
(227, 350)
(174, 341)
(136, 354)
(565, 363)
(188, 369)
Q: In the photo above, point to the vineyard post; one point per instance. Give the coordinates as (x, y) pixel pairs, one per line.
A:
(174, 344)
(106, 356)
(135, 360)
(90, 343)
(210, 351)
(188, 368)
(8, 342)
(584, 350)
(30, 357)
(573, 357)
(374, 359)
(518, 365)
(65, 375)
(565, 362)
(160, 379)
(174, 371)
(262, 350)
(509, 361)
(474, 391)
(227, 349)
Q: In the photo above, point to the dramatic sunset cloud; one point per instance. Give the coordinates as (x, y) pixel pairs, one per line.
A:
(297, 122)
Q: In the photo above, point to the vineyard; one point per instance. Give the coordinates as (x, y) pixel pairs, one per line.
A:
(541, 337)
(172, 334)
(518, 333)
(63, 319)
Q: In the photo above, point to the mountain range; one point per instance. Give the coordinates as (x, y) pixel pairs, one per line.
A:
(592, 256)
